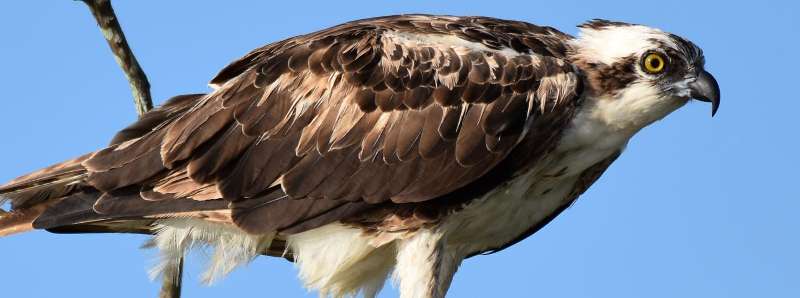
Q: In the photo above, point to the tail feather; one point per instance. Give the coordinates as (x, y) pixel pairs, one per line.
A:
(59, 194)
(46, 184)
(32, 194)
(21, 220)
(70, 210)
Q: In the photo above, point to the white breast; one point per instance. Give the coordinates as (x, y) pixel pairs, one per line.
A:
(510, 210)
(506, 212)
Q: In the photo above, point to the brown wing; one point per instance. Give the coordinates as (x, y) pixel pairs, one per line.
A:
(320, 127)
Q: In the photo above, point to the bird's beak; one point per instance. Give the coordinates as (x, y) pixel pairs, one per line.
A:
(705, 88)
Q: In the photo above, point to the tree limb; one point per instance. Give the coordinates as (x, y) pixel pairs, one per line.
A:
(109, 26)
(171, 281)
(140, 87)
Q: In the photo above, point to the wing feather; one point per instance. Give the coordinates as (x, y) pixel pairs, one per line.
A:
(319, 127)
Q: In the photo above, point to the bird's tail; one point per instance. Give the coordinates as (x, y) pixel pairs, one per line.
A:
(58, 197)
(30, 195)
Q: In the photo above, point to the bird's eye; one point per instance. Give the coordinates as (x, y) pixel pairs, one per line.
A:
(654, 63)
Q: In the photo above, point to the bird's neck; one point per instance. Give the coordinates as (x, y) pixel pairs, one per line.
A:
(628, 110)
(607, 122)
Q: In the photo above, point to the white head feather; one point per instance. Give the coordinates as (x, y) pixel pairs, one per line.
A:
(609, 44)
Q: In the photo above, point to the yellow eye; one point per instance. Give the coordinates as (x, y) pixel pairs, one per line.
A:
(654, 63)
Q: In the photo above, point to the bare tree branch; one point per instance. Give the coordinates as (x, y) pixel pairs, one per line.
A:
(171, 281)
(109, 25)
(140, 87)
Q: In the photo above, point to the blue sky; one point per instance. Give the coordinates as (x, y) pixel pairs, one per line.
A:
(696, 207)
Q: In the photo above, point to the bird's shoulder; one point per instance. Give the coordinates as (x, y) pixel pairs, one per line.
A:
(410, 30)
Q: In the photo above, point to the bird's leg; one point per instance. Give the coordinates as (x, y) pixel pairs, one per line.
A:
(425, 268)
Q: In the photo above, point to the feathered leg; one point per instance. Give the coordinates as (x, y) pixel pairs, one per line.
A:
(425, 268)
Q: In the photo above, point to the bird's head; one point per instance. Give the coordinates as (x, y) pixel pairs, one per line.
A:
(636, 75)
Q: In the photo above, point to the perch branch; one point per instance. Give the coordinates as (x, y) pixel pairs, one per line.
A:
(171, 281)
(109, 26)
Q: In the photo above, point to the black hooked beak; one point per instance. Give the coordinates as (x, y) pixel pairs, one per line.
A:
(705, 88)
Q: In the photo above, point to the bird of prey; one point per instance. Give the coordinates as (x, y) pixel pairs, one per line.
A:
(399, 144)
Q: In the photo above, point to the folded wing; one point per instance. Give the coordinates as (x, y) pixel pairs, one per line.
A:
(321, 127)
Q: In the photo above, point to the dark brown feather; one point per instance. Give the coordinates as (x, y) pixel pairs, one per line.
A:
(431, 143)
(123, 203)
(207, 165)
(507, 113)
(470, 145)
(157, 117)
(309, 172)
(408, 136)
(192, 130)
(451, 122)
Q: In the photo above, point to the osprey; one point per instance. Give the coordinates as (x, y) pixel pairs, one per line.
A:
(397, 144)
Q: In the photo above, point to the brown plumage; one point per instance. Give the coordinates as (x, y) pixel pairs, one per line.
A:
(325, 126)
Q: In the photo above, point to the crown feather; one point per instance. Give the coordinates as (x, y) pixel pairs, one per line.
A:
(598, 24)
